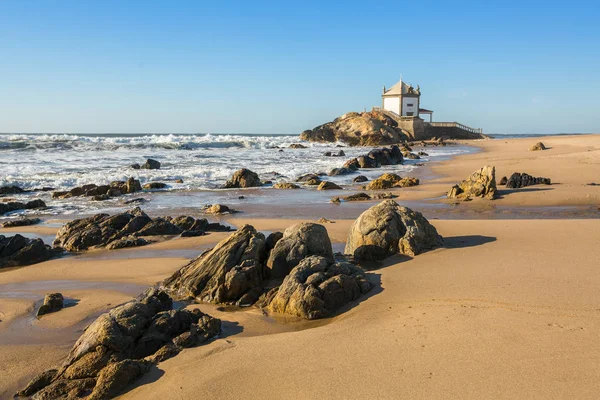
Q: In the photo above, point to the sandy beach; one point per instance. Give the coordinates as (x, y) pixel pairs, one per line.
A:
(507, 308)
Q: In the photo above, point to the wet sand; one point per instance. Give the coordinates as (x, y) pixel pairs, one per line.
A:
(507, 309)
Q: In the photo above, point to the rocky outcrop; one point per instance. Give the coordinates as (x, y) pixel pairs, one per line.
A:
(121, 230)
(52, 302)
(151, 164)
(387, 229)
(481, 183)
(327, 185)
(518, 180)
(155, 185)
(358, 129)
(17, 250)
(299, 241)
(243, 178)
(101, 192)
(296, 146)
(538, 146)
(4, 190)
(318, 286)
(232, 272)
(17, 205)
(121, 345)
(21, 222)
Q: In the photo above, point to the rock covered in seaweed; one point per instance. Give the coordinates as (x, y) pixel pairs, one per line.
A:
(387, 229)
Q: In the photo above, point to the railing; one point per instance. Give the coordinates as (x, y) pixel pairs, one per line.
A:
(456, 125)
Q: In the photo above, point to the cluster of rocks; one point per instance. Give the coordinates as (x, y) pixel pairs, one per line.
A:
(358, 129)
(296, 146)
(519, 180)
(389, 180)
(127, 230)
(332, 154)
(122, 345)
(374, 159)
(17, 205)
(218, 209)
(53, 302)
(481, 183)
(363, 197)
(18, 250)
(101, 192)
(149, 164)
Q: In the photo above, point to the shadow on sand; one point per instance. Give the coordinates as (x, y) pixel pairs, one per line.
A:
(504, 192)
(459, 242)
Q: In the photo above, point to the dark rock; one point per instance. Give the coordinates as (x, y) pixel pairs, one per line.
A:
(272, 240)
(367, 162)
(52, 302)
(327, 185)
(21, 222)
(4, 190)
(357, 197)
(503, 181)
(18, 251)
(298, 241)
(318, 286)
(518, 180)
(360, 178)
(309, 179)
(386, 229)
(296, 146)
(138, 200)
(16, 205)
(339, 171)
(352, 164)
(191, 233)
(157, 227)
(151, 164)
(135, 166)
(125, 242)
(155, 185)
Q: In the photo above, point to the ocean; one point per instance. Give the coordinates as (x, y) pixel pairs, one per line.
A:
(203, 161)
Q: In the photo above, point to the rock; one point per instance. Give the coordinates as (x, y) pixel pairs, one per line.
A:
(407, 182)
(309, 179)
(232, 272)
(360, 178)
(101, 197)
(358, 129)
(327, 185)
(385, 181)
(383, 196)
(52, 302)
(151, 164)
(159, 227)
(318, 286)
(338, 154)
(357, 197)
(339, 171)
(335, 200)
(178, 180)
(537, 146)
(296, 146)
(187, 223)
(503, 181)
(193, 233)
(518, 180)
(272, 240)
(121, 345)
(138, 200)
(21, 222)
(128, 241)
(298, 241)
(217, 209)
(4, 190)
(386, 229)
(325, 221)
(17, 250)
(135, 166)
(155, 185)
(481, 183)
(422, 153)
(243, 178)
(411, 156)
(16, 205)
(285, 185)
(367, 162)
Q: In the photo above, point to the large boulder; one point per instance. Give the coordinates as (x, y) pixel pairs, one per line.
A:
(358, 129)
(18, 250)
(481, 183)
(243, 178)
(299, 241)
(121, 345)
(388, 228)
(232, 272)
(518, 180)
(318, 286)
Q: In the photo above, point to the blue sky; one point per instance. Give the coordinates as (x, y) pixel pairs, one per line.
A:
(282, 67)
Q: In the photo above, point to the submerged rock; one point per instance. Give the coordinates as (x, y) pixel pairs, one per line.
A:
(318, 286)
(52, 302)
(481, 183)
(18, 251)
(386, 229)
(151, 164)
(518, 180)
(232, 272)
(243, 178)
(121, 345)
(298, 241)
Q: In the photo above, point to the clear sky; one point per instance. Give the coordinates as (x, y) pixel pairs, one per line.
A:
(283, 66)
